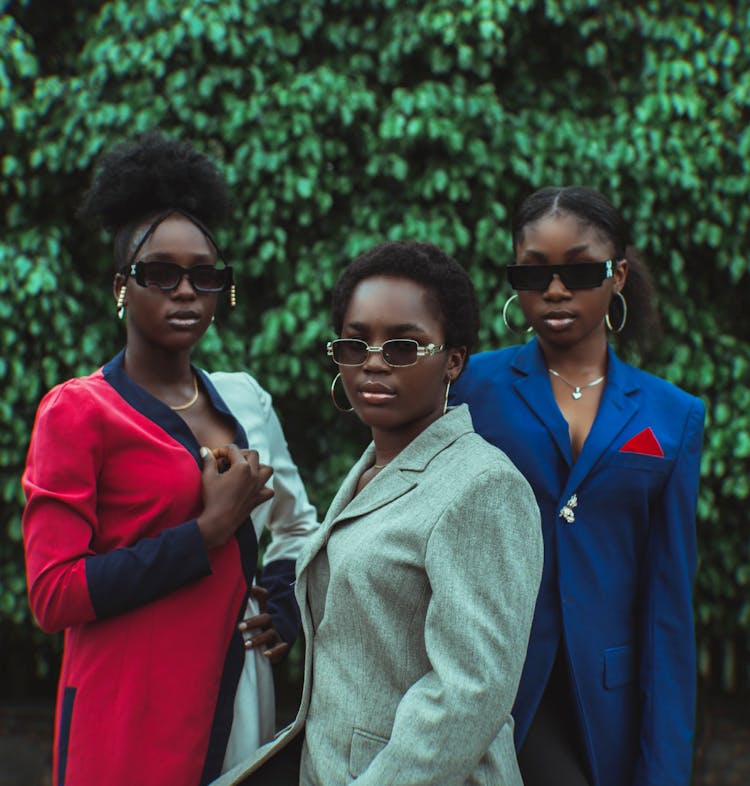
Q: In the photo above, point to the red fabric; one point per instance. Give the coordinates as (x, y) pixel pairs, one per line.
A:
(100, 476)
(645, 443)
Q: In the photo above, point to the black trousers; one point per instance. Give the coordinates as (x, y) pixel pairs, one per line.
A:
(552, 753)
(280, 770)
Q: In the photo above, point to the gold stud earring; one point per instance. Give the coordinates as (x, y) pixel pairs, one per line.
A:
(120, 306)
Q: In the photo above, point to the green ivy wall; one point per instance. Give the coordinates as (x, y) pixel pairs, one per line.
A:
(339, 124)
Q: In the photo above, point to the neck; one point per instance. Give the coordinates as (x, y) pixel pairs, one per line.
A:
(156, 368)
(585, 360)
(390, 442)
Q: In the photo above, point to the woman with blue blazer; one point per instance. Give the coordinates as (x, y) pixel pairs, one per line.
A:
(607, 693)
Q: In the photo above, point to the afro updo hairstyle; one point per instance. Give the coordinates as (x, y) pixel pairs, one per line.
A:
(145, 178)
(450, 288)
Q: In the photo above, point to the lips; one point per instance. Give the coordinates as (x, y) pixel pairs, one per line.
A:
(376, 392)
(183, 320)
(558, 320)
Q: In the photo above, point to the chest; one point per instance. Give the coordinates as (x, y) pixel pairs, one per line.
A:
(147, 480)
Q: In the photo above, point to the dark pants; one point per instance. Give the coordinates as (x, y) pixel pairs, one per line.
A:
(552, 753)
(280, 770)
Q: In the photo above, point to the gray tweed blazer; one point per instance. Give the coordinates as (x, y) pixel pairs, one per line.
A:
(417, 596)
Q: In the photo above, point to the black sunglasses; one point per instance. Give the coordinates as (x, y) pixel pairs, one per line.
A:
(166, 276)
(396, 351)
(581, 275)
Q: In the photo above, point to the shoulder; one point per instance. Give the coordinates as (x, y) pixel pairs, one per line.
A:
(75, 395)
(659, 392)
(473, 462)
(240, 389)
(492, 361)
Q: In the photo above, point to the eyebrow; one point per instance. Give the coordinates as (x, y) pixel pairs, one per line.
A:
(168, 256)
(403, 327)
(571, 252)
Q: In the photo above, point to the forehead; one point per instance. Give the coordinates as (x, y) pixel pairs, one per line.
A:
(175, 235)
(392, 300)
(563, 231)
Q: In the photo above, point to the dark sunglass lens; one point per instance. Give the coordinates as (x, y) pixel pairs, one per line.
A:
(587, 275)
(207, 278)
(529, 277)
(400, 352)
(349, 352)
(163, 275)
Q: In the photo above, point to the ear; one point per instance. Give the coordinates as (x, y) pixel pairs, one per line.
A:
(117, 284)
(455, 362)
(620, 275)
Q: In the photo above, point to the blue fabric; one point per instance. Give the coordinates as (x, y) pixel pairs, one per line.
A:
(278, 578)
(132, 576)
(66, 716)
(616, 589)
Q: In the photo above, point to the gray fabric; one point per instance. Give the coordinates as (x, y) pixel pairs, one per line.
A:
(417, 598)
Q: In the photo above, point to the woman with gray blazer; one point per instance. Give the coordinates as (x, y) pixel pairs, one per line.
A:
(418, 590)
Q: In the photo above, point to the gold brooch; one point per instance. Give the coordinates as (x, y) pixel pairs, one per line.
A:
(567, 510)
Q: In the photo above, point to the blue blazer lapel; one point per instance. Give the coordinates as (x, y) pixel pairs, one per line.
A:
(534, 388)
(616, 409)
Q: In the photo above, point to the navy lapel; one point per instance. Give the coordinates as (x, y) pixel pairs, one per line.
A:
(616, 409)
(159, 413)
(535, 389)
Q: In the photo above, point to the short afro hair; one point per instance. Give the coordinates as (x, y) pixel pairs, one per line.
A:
(148, 176)
(452, 290)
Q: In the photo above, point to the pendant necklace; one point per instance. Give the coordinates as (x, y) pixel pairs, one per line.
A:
(576, 394)
(192, 400)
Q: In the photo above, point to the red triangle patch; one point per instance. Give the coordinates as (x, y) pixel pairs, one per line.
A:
(645, 443)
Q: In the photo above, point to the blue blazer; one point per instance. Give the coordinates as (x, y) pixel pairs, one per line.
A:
(619, 556)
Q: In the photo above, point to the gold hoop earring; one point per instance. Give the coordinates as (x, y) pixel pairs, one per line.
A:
(333, 395)
(447, 391)
(624, 315)
(120, 305)
(507, 323)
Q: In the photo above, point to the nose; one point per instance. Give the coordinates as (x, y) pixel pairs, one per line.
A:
(556, 289)
(375, 362)
(184, 288)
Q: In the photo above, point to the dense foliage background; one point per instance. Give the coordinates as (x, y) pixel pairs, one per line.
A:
(343, 123)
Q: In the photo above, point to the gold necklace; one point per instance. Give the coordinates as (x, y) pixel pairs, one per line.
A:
(192, 400)
(576, 394)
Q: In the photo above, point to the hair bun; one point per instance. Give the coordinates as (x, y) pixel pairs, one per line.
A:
(153, 173)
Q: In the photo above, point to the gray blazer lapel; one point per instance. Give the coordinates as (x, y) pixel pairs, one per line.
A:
(398, 478)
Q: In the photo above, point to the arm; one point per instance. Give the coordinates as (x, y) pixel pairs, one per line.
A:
(667, 668)
(292, 519)
(289, 517)
(483, 561)
(70, 584)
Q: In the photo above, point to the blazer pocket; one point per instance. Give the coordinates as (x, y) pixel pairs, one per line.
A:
(639, 461)
(365, 747)
(619, 667)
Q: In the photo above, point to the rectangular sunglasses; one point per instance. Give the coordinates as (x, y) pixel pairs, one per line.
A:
(396, 352)
(166, 276)
(578, 275)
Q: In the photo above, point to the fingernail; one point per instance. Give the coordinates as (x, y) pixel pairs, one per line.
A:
(204, 452)
(242, 626)
(248, 645)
